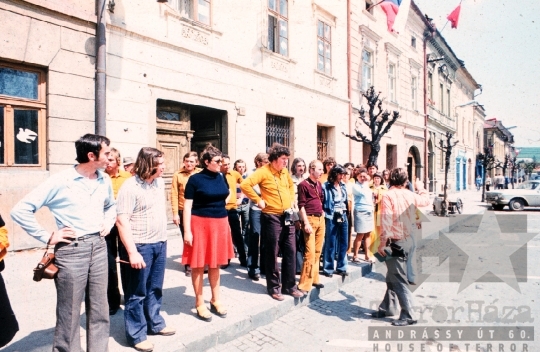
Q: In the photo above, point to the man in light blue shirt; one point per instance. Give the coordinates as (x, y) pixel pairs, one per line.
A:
(82, 202)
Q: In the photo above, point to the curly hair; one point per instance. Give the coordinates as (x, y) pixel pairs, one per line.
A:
(146, 163)
(209, 153)
(276, 151)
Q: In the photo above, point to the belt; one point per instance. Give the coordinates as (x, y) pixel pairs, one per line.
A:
(84, 237)
(315, 215)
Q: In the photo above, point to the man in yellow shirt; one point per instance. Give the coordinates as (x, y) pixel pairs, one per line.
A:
(233, 179)
(278, 231)
(178, 186)
(117, 179)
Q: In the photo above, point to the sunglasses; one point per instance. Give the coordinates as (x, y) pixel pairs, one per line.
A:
(219, 161)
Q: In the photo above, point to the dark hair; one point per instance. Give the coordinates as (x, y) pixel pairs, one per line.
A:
(146, 163)
(189, 155)
(346, 165)
(209, 153)
(358, 171)
(89, 143)
(374, 165)
(225, 156)
(260, 158)
(276, 151)
(379, 175)
(329, 160)
(295, 163)
(336, 170)
(386, 171)
(398, 177)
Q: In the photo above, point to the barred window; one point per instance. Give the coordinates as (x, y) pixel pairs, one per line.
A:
(322, 142)
(22, 116)
(324, 48)
(278, 130)
(278, 23)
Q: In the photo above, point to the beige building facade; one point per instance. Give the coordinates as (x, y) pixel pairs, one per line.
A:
(394, 65)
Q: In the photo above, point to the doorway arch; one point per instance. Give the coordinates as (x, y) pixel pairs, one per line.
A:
(414, 163)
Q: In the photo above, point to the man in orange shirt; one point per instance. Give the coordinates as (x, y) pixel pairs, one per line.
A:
(178, 186)
(233, 180)
(117, 179)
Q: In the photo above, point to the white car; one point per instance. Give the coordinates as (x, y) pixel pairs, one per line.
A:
(527, 194)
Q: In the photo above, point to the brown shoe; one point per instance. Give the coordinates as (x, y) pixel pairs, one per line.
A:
(167, 331)
(144, 346)
(277, 296)
(296, 294)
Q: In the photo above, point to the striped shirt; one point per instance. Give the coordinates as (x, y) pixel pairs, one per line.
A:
(144, 204)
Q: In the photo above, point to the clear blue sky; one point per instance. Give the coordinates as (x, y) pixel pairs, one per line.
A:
(499, 41)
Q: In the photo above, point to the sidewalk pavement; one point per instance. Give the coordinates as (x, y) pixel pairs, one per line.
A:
(248, 304)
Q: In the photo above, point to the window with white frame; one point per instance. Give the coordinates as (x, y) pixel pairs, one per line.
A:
(196, 10)
(367, 69)
(392, 82)
(324, 48)
(413, 93)
(278, 27)
(22, 116)
(448, 101)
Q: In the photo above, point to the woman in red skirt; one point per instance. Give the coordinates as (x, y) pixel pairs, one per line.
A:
(207, 235)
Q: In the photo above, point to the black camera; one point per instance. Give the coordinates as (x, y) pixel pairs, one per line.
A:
(288, 213)
(338, 216)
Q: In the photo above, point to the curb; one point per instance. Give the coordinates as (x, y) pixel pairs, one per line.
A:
(268, 315)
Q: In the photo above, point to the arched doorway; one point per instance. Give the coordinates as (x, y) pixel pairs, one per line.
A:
(431, 157)
(414, 163)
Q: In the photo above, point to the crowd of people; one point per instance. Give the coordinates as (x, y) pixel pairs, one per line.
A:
(307, 217)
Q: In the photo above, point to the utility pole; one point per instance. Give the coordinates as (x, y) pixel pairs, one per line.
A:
(101, 74)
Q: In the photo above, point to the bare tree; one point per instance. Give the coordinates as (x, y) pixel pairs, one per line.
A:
(378, 121)
(447, 149)
(505, 167)
(489, 163)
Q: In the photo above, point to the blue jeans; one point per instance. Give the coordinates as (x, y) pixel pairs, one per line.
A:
(336, 233)
(254, 242)
(144, 294)
(243, 212)
(82, 270)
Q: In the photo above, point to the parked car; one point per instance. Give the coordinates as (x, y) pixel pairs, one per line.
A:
(526, 194)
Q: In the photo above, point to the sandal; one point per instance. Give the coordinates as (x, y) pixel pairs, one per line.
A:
(203, 313)
(217, 309)
(356, 260)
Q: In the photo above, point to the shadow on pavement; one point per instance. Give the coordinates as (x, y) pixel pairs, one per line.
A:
(40, 340)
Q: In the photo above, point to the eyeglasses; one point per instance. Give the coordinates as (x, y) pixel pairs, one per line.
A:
(219, 161)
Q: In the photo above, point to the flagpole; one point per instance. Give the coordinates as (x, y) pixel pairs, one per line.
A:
(372, 6)
(443, 27)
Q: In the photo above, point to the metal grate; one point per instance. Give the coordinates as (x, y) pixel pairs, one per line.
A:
(322, 142)
(278, 130)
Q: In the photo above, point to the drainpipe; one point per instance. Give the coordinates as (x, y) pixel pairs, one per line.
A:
(349, 90)
(426, 163)
(100, 89)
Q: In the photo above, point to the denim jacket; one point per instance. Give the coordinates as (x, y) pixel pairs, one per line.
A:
(328, 205)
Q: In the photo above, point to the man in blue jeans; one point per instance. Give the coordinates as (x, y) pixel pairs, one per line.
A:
(142, 224)
(82, 202)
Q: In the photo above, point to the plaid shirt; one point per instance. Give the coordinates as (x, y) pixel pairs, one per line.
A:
(144, 204)
(398, 212)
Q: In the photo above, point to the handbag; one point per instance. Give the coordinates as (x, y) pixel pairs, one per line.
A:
(46, 269)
